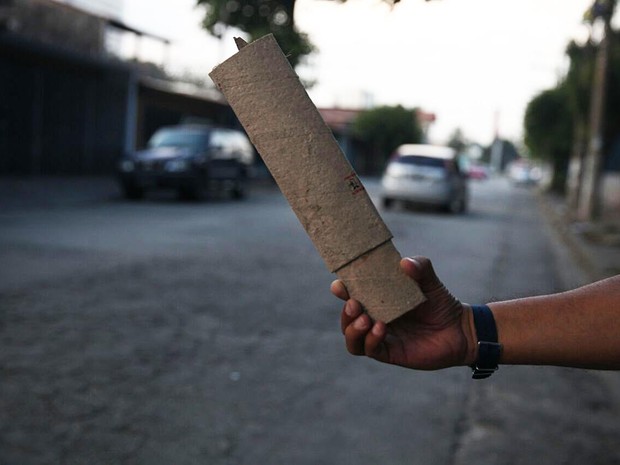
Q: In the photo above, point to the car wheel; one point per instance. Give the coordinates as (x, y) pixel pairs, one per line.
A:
(238, 190)
(456, 205)
(133, 192)
(190, 193)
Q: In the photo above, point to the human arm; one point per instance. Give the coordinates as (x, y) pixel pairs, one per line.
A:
(579, 328)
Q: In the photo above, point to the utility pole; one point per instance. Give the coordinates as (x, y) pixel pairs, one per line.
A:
(589, 206)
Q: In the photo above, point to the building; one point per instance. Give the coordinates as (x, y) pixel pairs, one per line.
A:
(365, 162)
(70, 106)
(106, 8)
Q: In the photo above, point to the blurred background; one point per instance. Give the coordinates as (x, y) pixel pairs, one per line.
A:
(160, 302)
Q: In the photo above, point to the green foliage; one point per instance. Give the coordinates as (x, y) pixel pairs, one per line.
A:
(612, 100)
(258, 18)
(548, 124)
(600, 9)
(549, 131)
(553, 116)
(385, 128)
(457, 140)
(578, 80)
(578, 83)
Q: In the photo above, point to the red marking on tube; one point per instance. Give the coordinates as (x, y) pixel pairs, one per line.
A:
(354, 183)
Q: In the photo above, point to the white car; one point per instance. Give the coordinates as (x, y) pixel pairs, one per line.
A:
(426, 175)
(521, 172)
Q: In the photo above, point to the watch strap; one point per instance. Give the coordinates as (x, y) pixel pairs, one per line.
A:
(489, 349)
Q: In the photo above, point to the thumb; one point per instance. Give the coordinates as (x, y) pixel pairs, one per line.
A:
(422, 271)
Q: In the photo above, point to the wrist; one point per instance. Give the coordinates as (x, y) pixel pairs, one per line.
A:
(469, 331)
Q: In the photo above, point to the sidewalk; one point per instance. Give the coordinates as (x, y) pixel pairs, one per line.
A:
(17, 192)
(595, 247)
(550, 415)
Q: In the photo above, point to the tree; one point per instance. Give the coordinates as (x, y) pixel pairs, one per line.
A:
(257, 18)
(575, 89)
(549, 130)
(579, 82)
(457, 140)
(385, 128)
(613, 91)
(260, 17)
(578, 85)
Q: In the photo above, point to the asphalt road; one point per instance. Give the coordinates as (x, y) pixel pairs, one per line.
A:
(163, 332)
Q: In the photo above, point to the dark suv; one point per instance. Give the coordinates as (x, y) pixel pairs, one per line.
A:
(192, 159)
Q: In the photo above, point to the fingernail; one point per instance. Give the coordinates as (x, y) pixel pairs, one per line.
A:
(376, 330)
(347, 309)
(350, 309)
(360, 324)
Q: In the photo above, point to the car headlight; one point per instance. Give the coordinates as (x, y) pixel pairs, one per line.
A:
(177, 165)
(127, 166)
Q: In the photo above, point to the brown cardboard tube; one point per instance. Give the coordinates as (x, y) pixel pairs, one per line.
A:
(315, 177)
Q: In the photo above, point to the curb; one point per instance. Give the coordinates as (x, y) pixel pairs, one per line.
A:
(597, 260)
(561, 228)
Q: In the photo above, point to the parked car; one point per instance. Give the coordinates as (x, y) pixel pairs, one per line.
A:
(477, 171)
(522, 172)
(425, 174)
(192, 159)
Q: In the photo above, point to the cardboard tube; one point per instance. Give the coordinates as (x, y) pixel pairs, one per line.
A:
(315, 177)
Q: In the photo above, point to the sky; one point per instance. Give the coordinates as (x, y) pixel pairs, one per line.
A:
(475, 64)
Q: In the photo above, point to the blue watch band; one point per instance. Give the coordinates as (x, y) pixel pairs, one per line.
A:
(489, 349)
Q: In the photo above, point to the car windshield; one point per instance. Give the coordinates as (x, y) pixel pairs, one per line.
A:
(419, 160)
(179, 138)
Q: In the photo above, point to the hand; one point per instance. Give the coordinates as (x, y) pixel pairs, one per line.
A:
(439, 333)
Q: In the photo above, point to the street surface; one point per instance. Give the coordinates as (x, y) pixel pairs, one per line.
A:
(167, 332)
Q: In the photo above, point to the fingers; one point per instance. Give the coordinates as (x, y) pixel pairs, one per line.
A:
(355, 334)
(362, 337)
(374, 343)
(339, 290)
(421, 270)
(351, 311)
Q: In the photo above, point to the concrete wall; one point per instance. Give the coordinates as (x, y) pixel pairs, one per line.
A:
(59, 114)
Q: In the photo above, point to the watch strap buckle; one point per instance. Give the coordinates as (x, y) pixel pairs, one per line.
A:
(488, 358)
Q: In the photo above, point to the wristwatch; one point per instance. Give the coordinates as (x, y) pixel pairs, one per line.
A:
(489, 349)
